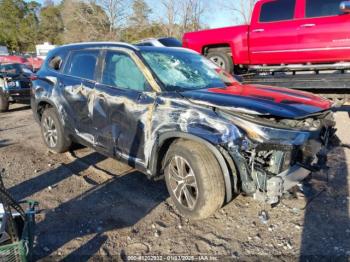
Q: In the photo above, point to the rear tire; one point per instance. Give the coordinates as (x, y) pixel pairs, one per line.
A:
(222, 59)
(198, 190)
(52, 132)
(4, 102)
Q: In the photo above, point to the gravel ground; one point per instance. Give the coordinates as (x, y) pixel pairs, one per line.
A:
(95, 207)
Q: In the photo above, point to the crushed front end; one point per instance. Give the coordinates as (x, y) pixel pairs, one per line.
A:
(275, 155)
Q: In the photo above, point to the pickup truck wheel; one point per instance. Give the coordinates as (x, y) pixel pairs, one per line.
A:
(53, 132)
(4, 102)
(194, 179)
(222, 59)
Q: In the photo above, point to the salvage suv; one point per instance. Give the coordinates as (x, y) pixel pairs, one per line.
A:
(15, 84)
(171, 112)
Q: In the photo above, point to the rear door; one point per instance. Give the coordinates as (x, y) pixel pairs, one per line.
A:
(324, 32)
(123, 108)
(77, 86)
(273, 35)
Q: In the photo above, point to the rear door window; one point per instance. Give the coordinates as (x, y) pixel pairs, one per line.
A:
(83, 64)
(319, 8)
(170, 42)
(278, 10)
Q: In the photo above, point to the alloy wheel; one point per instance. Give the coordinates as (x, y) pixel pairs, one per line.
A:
(50, 131)
(183, 182)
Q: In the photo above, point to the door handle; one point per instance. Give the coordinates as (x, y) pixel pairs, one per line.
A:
(307, 25)
(260, 30)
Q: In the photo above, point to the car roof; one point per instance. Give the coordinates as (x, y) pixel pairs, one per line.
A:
(118, 44)
(96, 44)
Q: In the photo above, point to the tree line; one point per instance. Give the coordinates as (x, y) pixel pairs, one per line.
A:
(25, 24)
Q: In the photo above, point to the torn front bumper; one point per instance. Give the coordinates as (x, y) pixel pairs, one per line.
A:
(271, 159)
(276, 186)
(313, 158)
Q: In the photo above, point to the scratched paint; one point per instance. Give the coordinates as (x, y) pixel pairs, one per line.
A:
(128, 124)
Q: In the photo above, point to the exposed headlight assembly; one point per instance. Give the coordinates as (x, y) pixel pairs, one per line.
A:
(263, 131)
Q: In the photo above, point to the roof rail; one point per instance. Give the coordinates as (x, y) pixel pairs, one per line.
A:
(103, 43)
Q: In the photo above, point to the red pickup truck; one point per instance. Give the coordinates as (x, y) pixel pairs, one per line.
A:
(33, 63)
(290, 34)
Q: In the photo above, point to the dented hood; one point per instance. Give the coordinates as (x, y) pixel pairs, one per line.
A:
(264, 100)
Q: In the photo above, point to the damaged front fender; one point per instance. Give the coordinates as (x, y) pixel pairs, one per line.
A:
(272, 159)
(158, 156)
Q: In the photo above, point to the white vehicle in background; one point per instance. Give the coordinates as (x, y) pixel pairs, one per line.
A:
(43, 50)
(160, 42)
(4, 51)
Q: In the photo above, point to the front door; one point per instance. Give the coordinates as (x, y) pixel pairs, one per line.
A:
(273, 35)
(324, 32)
(123, 108)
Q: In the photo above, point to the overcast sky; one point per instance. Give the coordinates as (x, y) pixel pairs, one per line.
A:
(214, 17)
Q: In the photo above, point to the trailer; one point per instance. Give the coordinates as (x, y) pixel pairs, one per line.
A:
(329, 80)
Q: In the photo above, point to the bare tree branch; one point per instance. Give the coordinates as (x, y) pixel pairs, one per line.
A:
(115, 11)
(191, 14)
(241, 9)
(170, 17)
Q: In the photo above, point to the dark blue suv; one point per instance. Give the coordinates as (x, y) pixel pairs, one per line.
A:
(15, 84)
(171, 112)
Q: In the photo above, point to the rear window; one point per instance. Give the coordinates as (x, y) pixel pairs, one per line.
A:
(11, 69)
(279, 10)
(83, 64)
(144, 44)
(319, 8)
(170, 42)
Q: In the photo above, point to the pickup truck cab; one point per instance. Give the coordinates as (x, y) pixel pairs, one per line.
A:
(282, 32)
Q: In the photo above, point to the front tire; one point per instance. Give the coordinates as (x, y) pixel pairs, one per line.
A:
(4, 103)
(53, 133)
(194, 179)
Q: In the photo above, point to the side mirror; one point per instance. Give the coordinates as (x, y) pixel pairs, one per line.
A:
(345, 6)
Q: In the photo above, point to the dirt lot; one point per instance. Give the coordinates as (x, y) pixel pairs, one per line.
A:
(96, 207)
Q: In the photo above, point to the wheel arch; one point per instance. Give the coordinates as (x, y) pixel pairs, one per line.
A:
(222, 46)
(163, 144)
(41, 106)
